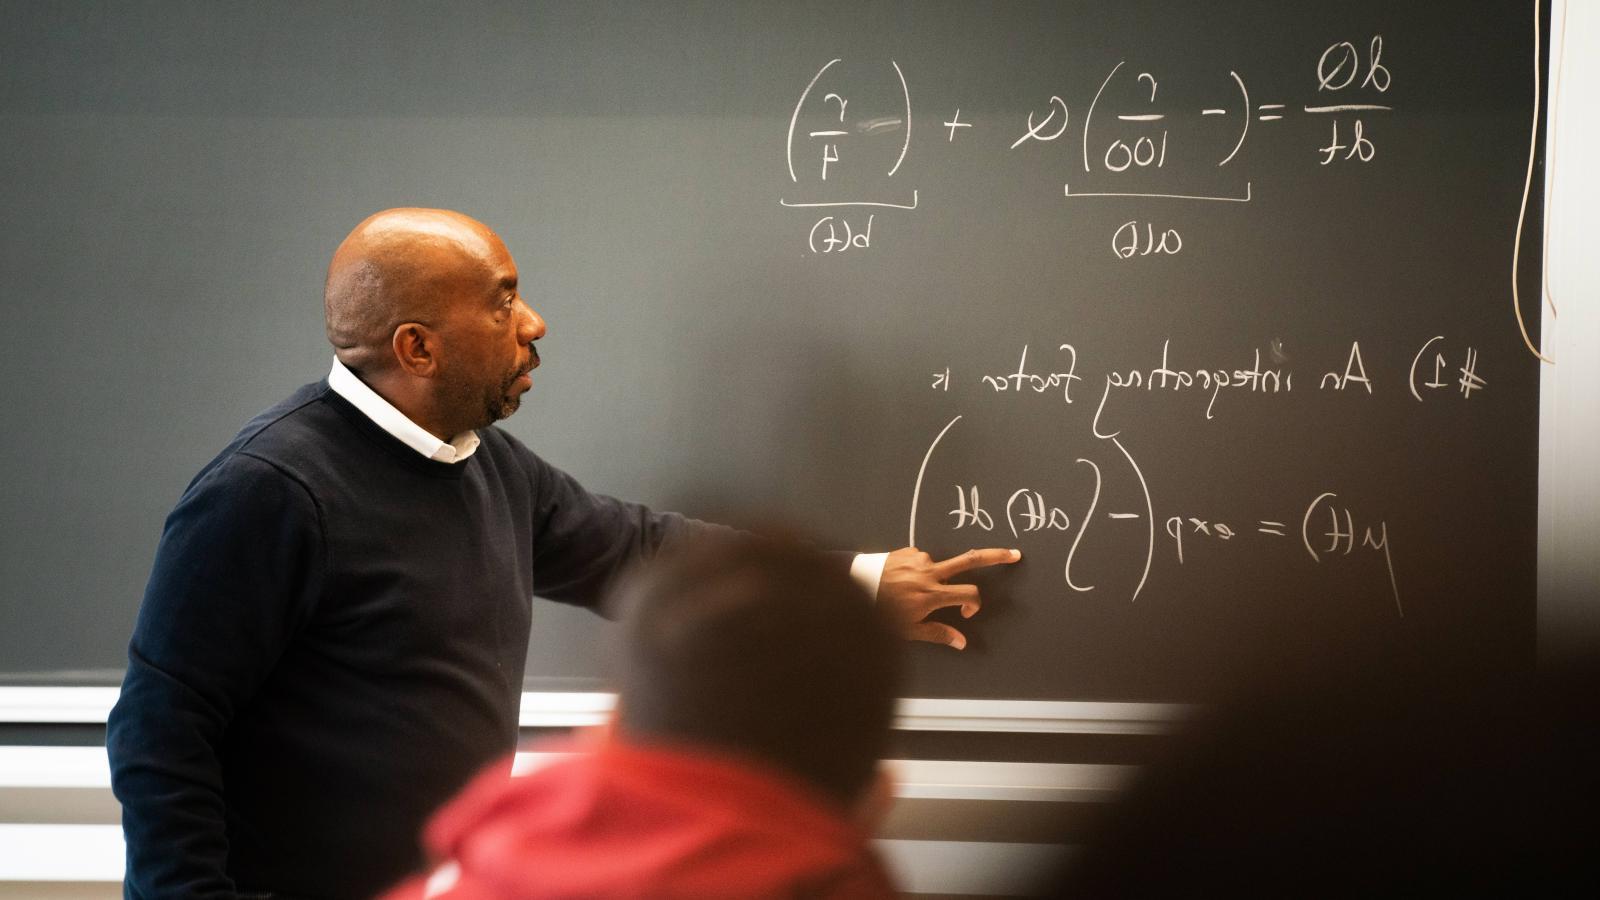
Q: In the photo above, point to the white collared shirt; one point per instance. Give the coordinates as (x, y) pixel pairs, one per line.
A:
(866, 568)
(345, 383)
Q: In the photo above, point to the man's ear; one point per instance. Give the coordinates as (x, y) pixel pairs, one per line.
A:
(415, 349)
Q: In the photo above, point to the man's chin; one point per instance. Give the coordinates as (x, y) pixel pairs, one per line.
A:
(509, 400)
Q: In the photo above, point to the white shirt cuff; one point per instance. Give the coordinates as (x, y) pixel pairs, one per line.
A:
(867, 570)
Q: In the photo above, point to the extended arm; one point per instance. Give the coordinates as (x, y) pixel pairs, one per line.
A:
(583, 540)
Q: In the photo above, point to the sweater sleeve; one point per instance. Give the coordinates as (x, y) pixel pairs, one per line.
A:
(583, 541)
(237, 570)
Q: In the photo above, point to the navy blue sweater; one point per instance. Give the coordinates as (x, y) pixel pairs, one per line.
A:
(332, 641)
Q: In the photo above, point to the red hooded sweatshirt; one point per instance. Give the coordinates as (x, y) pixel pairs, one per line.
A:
(615, 820)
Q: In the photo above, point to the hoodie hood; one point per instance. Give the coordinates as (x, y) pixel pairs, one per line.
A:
(620, 820)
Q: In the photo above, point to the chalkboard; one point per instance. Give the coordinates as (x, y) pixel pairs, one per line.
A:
(1206, 308)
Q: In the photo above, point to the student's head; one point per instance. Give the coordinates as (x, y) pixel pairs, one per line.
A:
(423, 305)
(764, 650)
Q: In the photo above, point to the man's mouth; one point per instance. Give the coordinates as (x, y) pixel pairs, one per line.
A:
(527, 371)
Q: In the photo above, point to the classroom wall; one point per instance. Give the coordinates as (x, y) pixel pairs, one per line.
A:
(1569, 413)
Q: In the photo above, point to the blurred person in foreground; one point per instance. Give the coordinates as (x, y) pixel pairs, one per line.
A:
(755, 693)
(1397, 771)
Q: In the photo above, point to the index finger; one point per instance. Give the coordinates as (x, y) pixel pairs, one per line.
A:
(974, 559)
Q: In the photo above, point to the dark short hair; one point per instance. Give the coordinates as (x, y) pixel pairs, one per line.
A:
(764, 649)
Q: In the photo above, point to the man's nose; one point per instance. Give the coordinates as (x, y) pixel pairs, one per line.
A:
(532, 326)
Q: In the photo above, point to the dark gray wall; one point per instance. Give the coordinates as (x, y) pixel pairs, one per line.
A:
(179, 173)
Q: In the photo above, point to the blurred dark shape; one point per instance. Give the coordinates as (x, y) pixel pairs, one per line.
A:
(1390, 772)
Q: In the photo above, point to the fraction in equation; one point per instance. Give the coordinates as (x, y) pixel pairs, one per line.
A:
(848, 138)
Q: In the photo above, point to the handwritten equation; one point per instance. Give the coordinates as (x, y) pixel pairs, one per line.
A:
(825, 139)
(1026, 511)
(1321, 527)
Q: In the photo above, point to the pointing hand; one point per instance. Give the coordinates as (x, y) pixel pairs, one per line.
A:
(913, 586)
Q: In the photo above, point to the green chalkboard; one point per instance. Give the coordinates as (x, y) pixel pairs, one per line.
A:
(1206, 308)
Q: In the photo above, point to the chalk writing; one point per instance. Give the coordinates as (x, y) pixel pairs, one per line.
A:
(1256, 379)
(837, 145)
(973, 514)
(954, 123)
(1329, 531)
(1022, 379)
(1355, 372)
(1342, 534)
(1261, 377)
(1037, 131)
(1127, 131)
(1466, 380)
(1111, 143)
(832, 234)
(1128, 242)
(1082, 523)
(1035, 514)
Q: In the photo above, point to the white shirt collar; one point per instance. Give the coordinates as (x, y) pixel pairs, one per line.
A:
(345, 383)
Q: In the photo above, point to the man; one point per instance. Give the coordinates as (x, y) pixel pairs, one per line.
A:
(334, 632)
(755, 694)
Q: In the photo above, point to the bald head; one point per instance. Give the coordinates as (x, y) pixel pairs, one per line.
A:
(398, 266)
(424, 306)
